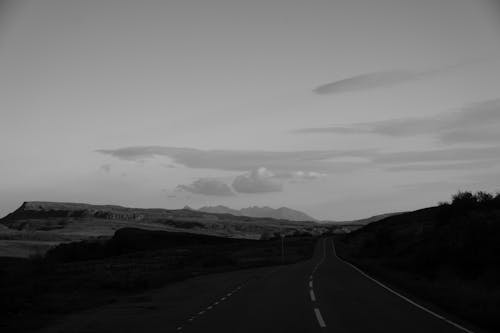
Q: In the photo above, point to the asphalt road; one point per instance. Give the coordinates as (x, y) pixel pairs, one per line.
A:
(324, 294)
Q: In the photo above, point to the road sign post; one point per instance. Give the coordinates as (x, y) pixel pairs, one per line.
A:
(282, 248)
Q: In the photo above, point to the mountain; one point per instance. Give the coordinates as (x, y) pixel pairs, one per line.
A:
(282, 213)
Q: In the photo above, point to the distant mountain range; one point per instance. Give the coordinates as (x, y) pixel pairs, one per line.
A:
(282, 213)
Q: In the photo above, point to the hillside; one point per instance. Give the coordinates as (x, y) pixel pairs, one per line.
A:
(278, 213)
(365, 221)
(447, 254)
(40, 225)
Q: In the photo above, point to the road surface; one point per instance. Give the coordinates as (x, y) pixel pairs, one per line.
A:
(323, 294)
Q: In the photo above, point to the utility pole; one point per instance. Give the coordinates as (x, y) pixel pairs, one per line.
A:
(282, 235)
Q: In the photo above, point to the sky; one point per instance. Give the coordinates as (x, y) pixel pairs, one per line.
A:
(342, 109)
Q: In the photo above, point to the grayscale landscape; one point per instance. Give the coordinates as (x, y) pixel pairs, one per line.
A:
(249, 166)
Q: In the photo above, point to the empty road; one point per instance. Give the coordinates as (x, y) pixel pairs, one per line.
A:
(324, 294)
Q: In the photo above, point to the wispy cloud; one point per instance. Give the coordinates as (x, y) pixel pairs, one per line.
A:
(478, 122)
(381, 79)
(439, 155)
(234, 160)
(284, 165)
(207, 186)
(474, 165)
(368, 81)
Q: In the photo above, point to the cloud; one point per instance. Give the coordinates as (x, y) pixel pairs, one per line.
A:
(439, 155)
(380, 79)
(207, 186)
(321, 161)
(444, 186)
(474, 165)
(368, 81)
(477, 123)
(284, 164)
(298, 176)
(391, 127)
(260, 180)
(486, 134)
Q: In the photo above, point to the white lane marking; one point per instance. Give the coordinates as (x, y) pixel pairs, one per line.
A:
(313, 297)
(398, 294)
(310, 284)
(210, 307)
(321, 322)
(179, 328)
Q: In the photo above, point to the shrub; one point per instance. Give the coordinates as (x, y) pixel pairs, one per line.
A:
(464, 200)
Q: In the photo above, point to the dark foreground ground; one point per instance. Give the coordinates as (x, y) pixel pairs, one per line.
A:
(84, 275)
(322, 294)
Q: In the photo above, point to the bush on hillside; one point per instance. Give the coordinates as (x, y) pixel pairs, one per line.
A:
(463, 203)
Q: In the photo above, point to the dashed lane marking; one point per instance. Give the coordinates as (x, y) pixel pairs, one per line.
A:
(210, 307)
(313, 297)
(321, 322)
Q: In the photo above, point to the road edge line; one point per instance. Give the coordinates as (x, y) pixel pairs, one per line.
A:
(401, 296)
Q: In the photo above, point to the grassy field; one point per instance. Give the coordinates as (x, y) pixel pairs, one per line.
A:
(81, 275)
